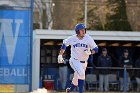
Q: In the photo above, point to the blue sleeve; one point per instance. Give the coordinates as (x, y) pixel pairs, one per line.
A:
(63, 46)
(95, 49)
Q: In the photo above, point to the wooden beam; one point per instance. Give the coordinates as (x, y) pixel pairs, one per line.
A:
(114, 44)
(102, 44)
(49, 43)
(138, 45)
(127, 44)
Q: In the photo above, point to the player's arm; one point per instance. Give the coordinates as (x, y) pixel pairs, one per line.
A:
(91, 51)
(93, 46)
(94, 50)
(66, 43)
(62, 50)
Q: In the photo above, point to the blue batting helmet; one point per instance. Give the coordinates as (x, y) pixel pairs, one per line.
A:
(79, 27)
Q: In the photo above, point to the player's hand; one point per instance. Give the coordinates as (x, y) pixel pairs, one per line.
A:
(60, 59)
(87, 51)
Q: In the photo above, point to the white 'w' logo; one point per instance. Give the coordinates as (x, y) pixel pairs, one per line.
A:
(6, 29)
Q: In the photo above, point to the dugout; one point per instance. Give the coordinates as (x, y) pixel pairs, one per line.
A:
(46, 45)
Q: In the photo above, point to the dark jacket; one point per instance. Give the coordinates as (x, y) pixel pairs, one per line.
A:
(104, 61)
(137, 65)
(125, 61)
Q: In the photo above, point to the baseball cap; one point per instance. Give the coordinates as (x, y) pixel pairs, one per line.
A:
(125, 50)
(104, 49)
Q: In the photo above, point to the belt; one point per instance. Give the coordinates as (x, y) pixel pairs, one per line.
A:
(80, 61)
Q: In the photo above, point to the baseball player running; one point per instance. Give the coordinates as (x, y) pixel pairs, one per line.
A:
(82, 45)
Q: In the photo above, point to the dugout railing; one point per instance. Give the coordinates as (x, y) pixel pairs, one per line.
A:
(114, 78)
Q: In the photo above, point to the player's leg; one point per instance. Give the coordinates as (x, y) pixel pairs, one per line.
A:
(80, 74)
(73, 84)
(79, 69)
(81, 77)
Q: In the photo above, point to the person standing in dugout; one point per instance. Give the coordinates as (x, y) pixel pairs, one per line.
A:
(125, 60)
(82, 45)
(104, 60)
(63, 70)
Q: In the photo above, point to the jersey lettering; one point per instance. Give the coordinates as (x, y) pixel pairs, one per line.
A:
(80, 45)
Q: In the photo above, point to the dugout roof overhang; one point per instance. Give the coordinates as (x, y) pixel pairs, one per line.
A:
(103, 38)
